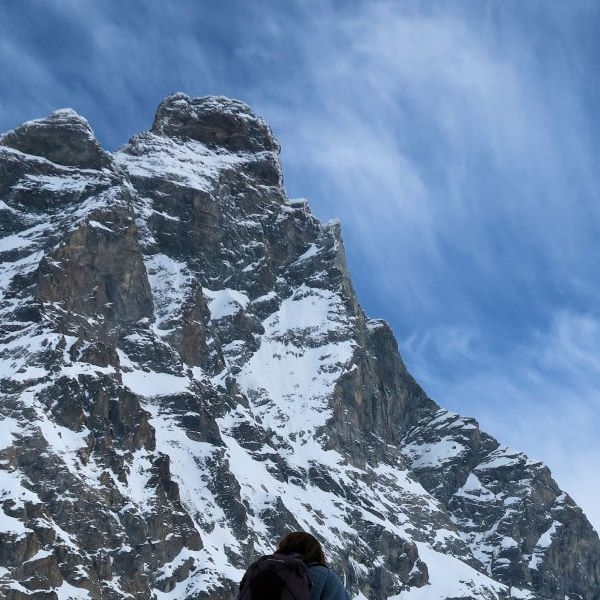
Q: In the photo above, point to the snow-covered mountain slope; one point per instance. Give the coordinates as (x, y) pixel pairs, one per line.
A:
(186, 374)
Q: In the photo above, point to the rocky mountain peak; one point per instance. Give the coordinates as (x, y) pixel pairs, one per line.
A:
(64, 137)
(186, 374)
(216, 121)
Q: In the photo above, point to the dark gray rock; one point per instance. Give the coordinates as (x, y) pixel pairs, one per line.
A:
(64, 138)
(508, 508)
(97, 273)
(215, 121)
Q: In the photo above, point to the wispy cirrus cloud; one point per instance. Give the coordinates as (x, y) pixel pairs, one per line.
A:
(423, 128)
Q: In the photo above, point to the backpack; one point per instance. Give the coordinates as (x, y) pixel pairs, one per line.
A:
(276, 577)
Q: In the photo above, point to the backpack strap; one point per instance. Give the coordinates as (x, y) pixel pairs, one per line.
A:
(316, 564)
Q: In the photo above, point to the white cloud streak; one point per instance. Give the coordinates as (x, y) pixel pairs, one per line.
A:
(414, 123)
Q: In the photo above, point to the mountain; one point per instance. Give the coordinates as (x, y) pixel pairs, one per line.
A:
(186, 374)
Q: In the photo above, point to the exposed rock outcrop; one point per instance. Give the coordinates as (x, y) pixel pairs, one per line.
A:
(64, 138)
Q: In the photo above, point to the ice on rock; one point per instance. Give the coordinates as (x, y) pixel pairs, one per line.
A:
(225, 303)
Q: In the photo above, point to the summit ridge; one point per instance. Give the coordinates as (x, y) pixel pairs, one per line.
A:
(214, 121)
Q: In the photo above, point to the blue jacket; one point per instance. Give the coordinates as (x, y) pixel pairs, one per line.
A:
(326, 585)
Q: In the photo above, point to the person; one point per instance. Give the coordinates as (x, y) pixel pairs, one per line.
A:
(325, 584)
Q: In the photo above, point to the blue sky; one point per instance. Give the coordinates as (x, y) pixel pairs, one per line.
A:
(457, 142)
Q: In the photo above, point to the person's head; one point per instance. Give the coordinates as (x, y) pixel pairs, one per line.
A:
(302, 543)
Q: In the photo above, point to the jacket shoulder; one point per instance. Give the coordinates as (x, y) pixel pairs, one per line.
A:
(334, 589)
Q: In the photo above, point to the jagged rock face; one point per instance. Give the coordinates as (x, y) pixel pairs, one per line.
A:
(63, 138)
(98, 272)
(186, 374)
(216, 122)
(506, 506)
